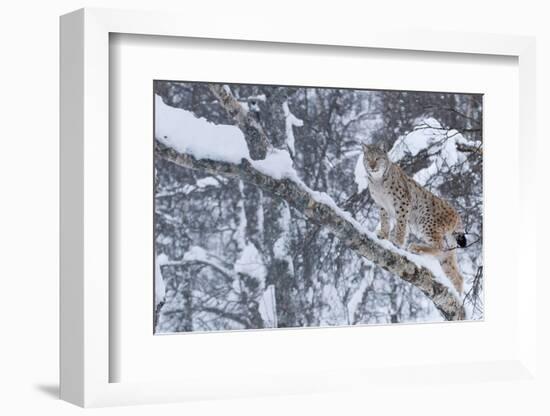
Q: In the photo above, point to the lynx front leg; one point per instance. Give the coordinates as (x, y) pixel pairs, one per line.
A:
(384, 231)
(399, 233)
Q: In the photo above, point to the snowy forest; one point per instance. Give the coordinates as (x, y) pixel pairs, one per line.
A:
(263, 217)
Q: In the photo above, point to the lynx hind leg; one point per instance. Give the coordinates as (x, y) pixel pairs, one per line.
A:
(447, 259)
(450, 267)
(434, 246)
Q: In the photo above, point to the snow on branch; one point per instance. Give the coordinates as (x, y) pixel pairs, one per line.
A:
(290, 121)
(321, 209)
(254, 134)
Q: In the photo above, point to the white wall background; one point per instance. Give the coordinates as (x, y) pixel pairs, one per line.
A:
(29, 56)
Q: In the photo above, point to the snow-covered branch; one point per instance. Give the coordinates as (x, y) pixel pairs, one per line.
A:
(291, 121)
(321, 209)
(254, 134)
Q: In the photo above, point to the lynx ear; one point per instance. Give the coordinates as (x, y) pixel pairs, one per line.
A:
(384, 146)
(365, 147)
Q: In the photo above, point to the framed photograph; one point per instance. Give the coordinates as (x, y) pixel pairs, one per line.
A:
(283, 235)
(249, 215)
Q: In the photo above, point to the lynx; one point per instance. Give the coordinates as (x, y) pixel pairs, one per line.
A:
(410, 207)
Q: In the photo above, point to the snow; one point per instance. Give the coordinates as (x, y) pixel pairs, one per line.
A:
(440, 143)
(279, 249)
(182, 131)
(432, 264)
(360, 174)
(290, 121)
(160, 287)
(324, 198)
(420, 138)
(268, 308)
(357, 296)
(428, 134)
(208, 181)
(460, 139)
(427, 261)
(259, 97)
(250, 263)
(196, 253)
(277, 164)
(188, 189)
(240, 231)
(281, 245)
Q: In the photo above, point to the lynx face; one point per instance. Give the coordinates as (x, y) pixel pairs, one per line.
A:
(375, 160)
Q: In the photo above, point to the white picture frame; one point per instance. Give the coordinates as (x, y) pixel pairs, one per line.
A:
(85, 265)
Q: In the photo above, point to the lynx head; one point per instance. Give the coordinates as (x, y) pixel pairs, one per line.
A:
(375, 159)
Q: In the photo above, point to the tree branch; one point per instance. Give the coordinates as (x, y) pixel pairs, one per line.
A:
(340, 223)
(228, 315)
(254, 134)
(465, 148)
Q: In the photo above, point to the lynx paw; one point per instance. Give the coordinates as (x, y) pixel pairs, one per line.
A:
(396, 242)
(382, 235)
(413, 248)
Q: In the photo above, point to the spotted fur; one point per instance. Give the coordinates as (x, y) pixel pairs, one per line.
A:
(409, 207)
